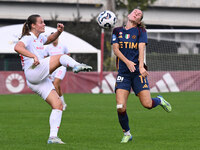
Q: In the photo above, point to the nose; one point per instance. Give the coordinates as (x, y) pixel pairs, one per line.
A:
(136, 13)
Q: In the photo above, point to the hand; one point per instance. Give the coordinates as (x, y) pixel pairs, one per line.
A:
(60, 27)
(143, 72)
(131, 66)
(36, 62)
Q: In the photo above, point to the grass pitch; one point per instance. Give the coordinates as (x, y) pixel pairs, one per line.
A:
(90, 123)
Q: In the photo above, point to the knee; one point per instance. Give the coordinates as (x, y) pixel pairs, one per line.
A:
(59, 106)
(121, 108)
(147, 105)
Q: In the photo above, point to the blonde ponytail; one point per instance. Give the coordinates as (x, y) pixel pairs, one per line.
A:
(142, 25)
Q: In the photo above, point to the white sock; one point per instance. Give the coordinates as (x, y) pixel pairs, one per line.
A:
(66, 60)
(62, 99)
(127, 133)
(54, 121)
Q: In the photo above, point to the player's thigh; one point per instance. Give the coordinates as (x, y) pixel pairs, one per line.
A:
(122, 97)
(122, 88)
(139, 83)
(38, 73)
(145, 98)
(43, 88)
(140, 86)
(123, 81)
(54, 100)
(54, 63)
(57, 82)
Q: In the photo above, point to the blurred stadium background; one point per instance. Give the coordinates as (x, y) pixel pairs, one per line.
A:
(172, 54)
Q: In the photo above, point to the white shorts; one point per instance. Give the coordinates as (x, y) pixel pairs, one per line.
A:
(58, 73)
(37, 74)
(37, 78)
(43, 89)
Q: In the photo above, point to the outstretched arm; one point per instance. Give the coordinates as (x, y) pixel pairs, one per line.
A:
(54, 36)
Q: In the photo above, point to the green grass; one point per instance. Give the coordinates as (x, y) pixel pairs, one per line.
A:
(90, 123)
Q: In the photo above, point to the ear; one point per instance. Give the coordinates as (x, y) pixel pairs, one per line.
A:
(32, 26)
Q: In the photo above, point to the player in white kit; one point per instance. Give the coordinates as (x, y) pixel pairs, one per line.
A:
(37, 68)
(57, 76)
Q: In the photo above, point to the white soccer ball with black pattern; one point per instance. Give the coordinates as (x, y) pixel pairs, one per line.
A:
(106, 19)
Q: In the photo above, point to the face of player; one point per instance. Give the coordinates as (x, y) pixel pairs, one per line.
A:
(39, 26)
(136, 16)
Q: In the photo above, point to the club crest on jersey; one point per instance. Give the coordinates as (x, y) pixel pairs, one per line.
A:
(134, 36)
(120, 35)
(127, 36)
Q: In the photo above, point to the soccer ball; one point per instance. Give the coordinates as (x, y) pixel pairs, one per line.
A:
(106, 19)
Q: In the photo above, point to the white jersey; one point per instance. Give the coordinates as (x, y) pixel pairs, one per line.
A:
(34, 45)
(51, 50)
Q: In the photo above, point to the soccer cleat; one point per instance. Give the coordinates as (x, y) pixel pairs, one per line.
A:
(165, 105)
(126, 138)
(81, 67)
(55, 140)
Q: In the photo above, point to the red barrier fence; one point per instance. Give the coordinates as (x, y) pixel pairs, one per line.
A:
(162, 81)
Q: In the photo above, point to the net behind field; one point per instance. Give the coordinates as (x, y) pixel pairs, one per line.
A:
(174, 52)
